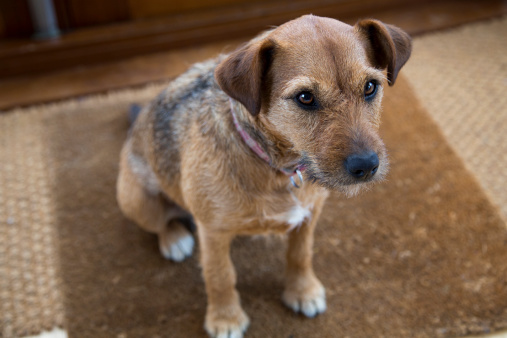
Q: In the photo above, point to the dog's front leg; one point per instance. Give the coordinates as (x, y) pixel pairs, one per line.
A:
(303, 291)
(224, 315)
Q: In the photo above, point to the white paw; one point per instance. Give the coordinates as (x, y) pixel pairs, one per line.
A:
(230, 333)
(310, 303)
(179, 249)
(233, 325)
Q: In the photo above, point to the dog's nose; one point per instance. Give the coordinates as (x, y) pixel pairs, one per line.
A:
(362, 165)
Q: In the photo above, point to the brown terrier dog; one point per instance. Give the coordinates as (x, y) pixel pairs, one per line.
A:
(251, 142)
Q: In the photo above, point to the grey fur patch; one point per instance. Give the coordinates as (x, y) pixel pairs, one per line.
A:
(144, 173)
(173, 110)
(134, 111)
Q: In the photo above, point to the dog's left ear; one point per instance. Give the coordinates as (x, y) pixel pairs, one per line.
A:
(389, 46)
(242, 74)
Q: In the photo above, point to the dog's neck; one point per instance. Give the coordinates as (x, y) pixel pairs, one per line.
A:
(256, 136)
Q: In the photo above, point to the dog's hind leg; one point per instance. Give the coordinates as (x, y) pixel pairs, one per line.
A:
(154, 213)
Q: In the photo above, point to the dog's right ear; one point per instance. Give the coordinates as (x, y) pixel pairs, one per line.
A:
(241, 75)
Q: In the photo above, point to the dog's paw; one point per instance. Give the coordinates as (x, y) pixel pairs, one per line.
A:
(180, 249)
(177, 243)
(226, 323)
(306, 296)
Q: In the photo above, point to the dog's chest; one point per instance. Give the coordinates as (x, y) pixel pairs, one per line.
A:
(293, 217)
(288, 214)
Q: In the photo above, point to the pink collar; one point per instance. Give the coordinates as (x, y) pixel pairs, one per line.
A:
(257, 149)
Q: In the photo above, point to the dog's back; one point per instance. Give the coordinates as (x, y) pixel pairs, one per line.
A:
(161, 129)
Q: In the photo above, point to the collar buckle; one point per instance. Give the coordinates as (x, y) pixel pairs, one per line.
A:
(293, 181)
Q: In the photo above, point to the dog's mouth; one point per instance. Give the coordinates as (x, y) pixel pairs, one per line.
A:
(350, 182)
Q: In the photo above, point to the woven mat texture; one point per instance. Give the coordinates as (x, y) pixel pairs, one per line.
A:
(423, 254)
(30, 278)
(30, 294)
(460, 76)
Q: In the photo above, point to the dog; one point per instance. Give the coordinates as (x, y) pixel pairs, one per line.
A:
(252, 142)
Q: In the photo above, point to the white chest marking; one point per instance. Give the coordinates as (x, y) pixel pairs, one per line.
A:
(294, 217)
(297, 215)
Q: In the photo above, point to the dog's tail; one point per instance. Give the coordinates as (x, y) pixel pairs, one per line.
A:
(134, 111)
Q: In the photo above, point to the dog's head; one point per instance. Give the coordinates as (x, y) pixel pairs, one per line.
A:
(316, 85)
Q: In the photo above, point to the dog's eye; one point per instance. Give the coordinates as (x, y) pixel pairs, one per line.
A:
(306, 98)
(370, 89)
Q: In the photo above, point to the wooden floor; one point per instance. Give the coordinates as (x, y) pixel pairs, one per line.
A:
(74, 82)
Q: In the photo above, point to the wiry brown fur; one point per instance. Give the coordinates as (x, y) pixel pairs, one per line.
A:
(185, 157)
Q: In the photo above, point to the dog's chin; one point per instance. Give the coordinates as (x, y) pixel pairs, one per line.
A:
(340, 180)
(353, 190)
(347, 185)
